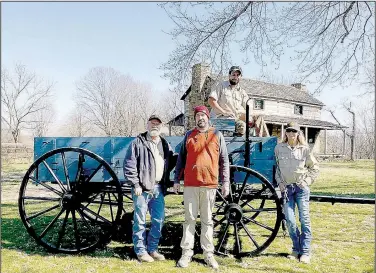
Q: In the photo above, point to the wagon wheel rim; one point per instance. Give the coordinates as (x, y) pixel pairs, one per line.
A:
(70, 212)
(248, 220)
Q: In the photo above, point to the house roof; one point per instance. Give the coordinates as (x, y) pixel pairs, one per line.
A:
(256, 88)
(274, 119)
(303, 122)
(177, 121)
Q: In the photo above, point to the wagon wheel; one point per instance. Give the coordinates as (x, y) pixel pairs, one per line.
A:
(248, 220)
(124, 229)
(70, 200)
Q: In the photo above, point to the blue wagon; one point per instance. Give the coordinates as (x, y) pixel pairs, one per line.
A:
(73, 196)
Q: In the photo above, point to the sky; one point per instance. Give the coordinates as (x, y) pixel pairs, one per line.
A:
(63, 41)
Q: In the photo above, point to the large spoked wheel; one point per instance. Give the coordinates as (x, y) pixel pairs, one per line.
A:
(70, 200)
(248, 220)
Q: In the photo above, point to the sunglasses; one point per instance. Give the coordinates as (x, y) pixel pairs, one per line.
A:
(291, 130)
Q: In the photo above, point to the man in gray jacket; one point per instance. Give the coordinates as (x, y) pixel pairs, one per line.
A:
(146, 168)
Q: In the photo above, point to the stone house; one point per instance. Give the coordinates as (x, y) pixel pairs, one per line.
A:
(277, 103)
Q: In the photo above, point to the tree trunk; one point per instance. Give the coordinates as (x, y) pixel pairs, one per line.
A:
(353, 138)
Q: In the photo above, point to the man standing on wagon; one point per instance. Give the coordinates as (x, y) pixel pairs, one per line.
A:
(228, 98)
(146, 167)
(202, 160)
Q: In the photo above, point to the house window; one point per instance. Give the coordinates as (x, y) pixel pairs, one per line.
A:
(259, 104)
(298, 110)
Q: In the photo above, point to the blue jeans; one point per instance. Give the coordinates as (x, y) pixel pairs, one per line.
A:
(301, 240)
(153, 202)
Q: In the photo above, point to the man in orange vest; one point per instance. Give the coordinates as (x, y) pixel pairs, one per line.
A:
(203, 161)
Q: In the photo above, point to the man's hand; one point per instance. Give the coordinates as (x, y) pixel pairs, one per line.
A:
(282, 187)
(176, 188)
(138, 191)
(225, 190)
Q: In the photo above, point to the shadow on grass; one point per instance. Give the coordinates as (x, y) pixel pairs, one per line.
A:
(15, 236)
(169, 244)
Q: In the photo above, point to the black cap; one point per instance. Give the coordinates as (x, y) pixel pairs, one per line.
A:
(155, 117)
(235, 68)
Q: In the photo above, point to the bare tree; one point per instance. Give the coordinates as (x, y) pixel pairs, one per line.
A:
(99, 93)
(136, 108)
(77, 124)
(361, 135)
(331, 40)
(270, 77)
(113, 102)
(22, 95)
(351, 135)
(40, 122)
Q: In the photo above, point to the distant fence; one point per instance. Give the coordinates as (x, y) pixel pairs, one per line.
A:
(16, 153)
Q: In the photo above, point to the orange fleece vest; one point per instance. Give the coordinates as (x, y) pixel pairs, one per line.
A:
(202, 165)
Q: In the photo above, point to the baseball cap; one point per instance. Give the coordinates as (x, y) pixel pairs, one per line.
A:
(235, 68)
(293, 125)
(155, 117)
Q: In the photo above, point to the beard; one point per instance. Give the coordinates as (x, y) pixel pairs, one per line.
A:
(154, 132)
(201, 123)
(233, 82)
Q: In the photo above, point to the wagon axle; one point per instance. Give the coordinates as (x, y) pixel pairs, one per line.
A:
(234, 213)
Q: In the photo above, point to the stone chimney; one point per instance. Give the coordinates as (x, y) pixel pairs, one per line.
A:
(300, 86)
(199, 73)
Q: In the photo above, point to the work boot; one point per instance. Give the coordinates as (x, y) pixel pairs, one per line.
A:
(157, 256)
(145, 257)
(184, 261)
(293, 256)
(210, 261)
(305, 259)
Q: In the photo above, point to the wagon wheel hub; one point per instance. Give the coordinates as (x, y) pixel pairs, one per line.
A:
(70, 201)
(234, 213)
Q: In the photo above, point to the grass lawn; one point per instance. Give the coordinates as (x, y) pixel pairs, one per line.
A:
(343, 235)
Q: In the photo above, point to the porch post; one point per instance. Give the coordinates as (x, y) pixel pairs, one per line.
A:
(282, 132)
(344, 143)
(326, 142)
(306, 133)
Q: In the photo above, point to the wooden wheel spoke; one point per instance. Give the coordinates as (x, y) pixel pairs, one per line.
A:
(224, 236)
(62, 229)
(243, 187)
(112, 214)
(97, 216)
(51, 224)
(80, 166)
(237, 239)
(250, 220)
(249, 235)
(82, 216)
(76, 234)
(42, 212)
(54, 175)
(66, 171)
(48, 187)
(257, 194)
(94, 173)
(220, 195)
